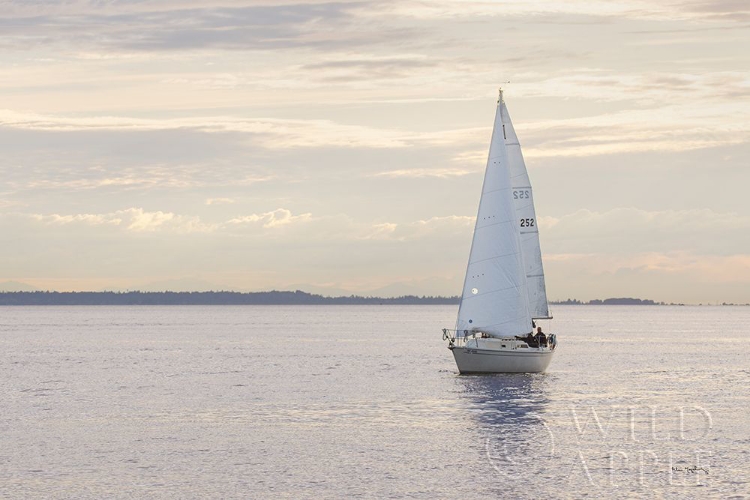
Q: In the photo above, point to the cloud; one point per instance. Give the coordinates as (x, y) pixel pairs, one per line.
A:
(617, 231)
(384, 230)
(586, 254)
(156, 177)
(277, 218)
(660, 88)
(690, 122)
(372, 63)
(90, 219)
(137, 220)
(453, 227)
(673, 112)
(219, 201)
(665, 276)
(418, 173)
(717, 10)
(725, 268)
(183, 25)
(143, 245)
(631, 230)
(148, 221)
(228, 14)
(295, 226)
(721, 10)
(370, 69)
(270, 132)
(132, 219)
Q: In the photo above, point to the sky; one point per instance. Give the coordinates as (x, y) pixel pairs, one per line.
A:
(339, 147)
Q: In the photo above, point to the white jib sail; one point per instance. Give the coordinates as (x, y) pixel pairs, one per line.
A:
(526, 218)
(495, 296)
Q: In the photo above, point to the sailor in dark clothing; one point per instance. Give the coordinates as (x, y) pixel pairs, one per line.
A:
(529, 338)
(541, 338)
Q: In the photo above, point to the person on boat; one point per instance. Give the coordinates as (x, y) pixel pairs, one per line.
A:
(529, 338)
(541, 338)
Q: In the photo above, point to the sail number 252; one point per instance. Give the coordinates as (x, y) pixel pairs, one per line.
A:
(527, 222)
(521, 194)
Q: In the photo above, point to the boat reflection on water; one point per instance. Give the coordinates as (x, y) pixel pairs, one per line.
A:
(507, 411)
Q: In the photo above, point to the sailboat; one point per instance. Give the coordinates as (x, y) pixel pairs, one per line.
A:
(504, 292)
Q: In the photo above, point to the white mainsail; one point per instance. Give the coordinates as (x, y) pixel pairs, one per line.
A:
(526, 217)
(495, 295)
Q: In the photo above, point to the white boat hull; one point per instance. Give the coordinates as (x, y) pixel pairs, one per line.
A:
(478, 357)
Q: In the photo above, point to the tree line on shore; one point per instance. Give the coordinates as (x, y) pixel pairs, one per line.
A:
(206, 298)
(274, 297)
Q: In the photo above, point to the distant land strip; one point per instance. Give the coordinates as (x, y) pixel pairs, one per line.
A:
(134, 298)
(203, 298)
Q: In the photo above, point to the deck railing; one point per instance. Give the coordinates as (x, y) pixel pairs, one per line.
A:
(459, 338)
(456, 337)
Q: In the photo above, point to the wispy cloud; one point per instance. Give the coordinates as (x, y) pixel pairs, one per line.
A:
(632, 230)
(219, 201)
(132, 219)
(671, 127)
(417, 173)
(723, 10)
(667, 276)
(439, 228)
(137, 220)
(644, 88)
(364, 67)
(271, 132)
(90, 219)
(182, 26)
(717, 10)
(277, 218)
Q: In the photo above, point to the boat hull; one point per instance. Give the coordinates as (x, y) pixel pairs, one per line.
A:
(474, 360)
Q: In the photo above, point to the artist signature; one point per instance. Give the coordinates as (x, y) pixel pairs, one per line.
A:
(693, 469)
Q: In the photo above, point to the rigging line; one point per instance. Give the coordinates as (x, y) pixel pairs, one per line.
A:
(496, 190)
(493, 258)
(509, 221)
(487, 293)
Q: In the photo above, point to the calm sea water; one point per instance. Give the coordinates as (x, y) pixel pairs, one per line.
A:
(365, 402)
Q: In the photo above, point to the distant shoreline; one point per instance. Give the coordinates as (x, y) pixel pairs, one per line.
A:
(135, 298)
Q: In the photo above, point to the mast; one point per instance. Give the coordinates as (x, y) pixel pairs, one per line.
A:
(495, 295)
